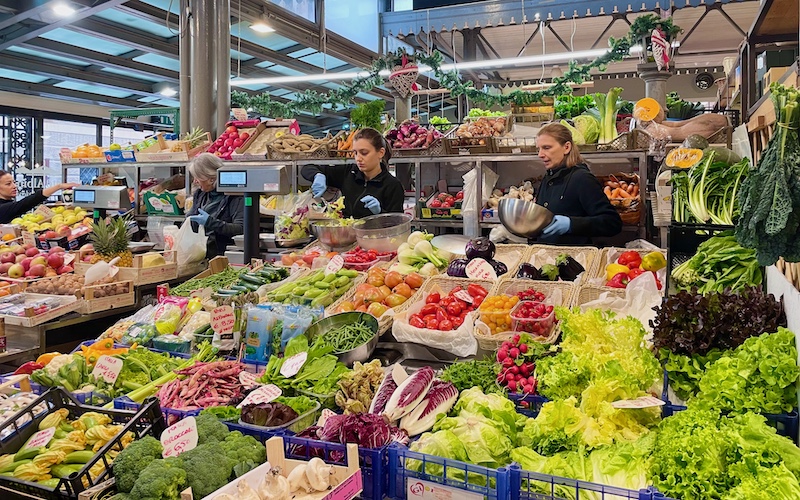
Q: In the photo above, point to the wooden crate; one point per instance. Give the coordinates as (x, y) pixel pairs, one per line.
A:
(162, 150)
(142, 275)
(91, 304)
(69, 303)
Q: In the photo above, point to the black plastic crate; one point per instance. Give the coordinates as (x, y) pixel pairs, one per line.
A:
(19, 428)
(682, 243)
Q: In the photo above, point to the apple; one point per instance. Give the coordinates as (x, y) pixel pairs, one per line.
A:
(50, 235)
(233, 135)
(228, 143)
(55, 260)
(16, 271)
(55, 249)
(223, 136)
(244, 136)
(86, 247)
(40, 260)
(38, 270)
(65, 269)
(32, 252)
(237, 143)
(28, 245)
(212, 149)
(4, 267)
(231, 129)
(26, 263)
(18, 249)
(8, 257)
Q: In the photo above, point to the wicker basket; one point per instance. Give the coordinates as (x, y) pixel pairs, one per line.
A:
(608, 255)
(539, 255)
(556, 293)
(361, 278)
(629, 209)
(589, 293)
(320, 151)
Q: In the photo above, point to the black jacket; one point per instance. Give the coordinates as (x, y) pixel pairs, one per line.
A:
(578, 194)
(225, 222)
(10, 209)
(351, 182)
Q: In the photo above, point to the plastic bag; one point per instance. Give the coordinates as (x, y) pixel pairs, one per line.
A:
(294, 223)
(167, 318)
(470, 208)
(258, 335)
(190, 246)
(139, 333)
(459, 342)
(198, 319)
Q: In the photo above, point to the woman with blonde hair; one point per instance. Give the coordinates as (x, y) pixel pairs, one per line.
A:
(571, 192)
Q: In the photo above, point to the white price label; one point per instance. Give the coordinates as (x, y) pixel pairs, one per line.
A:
(40, 439)
(45, 212)
(326, 414)
(107, 368)
(334, 265)
(179, 438)
(202, 293)
(222, 320)
(295, 268)
(248, 379)
(479, 269)
(28, 238)
(240, 114)
(263, 394)
(641, 402)
(292, 365)
(463, 295)
(417, 489)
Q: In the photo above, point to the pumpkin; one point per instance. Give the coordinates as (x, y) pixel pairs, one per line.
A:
(646, 110)
(684, 157)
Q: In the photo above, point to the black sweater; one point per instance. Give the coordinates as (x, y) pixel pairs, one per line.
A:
(10, 209)
(351, 182)
(578, 194)
(223, 223)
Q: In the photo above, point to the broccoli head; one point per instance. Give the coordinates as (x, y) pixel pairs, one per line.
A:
(210, 429)
(246, 452)
(207, 468)
(132, 461)
(162, 479)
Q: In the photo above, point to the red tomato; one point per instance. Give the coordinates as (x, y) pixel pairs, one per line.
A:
(476, 302)
(454, 309)
(428, 309)
(429, 317)
(414, 280)
(457, 321)
(476, 290)
(432, 324)
(393, 278)
(441, 315)
(416, 322)
(433, 298)
(446, 325)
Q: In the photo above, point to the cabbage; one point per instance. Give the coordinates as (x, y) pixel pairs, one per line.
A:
(589, 127)
(577, 135)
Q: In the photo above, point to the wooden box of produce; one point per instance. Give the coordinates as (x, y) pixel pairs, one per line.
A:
(298, 148)
(440, 206)
(514, 145)
(255, 147)
(622, 190)
(54, 306)
(476, 135)
(83, 154)
(412, 139)
(140, 273)
(108, 293)
(234, 136)
(194, 143)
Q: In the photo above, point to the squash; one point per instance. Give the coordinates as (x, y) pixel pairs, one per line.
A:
(684, 157)
(722, 154)
(695, 141)
(646, 109)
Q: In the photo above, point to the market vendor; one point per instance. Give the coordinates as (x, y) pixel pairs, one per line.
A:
(222, 216)
(571, 192)
(10, 209)
(368, 187)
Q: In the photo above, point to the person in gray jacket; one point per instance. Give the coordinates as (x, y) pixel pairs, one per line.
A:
(222, 216)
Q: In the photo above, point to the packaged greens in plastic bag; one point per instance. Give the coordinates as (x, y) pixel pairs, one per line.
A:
(139, 333)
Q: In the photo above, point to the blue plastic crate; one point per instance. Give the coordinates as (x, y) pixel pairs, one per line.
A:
(170, 415)
(84, 398)
(526, 485)
(87, 343)
(493, 484)
(528, 405)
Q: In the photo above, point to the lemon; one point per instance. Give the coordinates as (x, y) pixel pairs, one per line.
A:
(71, 219)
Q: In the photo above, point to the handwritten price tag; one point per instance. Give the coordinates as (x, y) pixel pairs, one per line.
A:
(28, 238)
(326, 413)
(107, 368)
(45, 212)
(40, 439)
(263, 394)
(223, 319)
(179, 437)
(479, 269)
(248, 379)
(463, 295)
(291, 366)
(334, 265)
(641, 402)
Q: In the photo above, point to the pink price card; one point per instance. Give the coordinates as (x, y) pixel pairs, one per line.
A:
(347, 489)
(40, 439)
(463, 295)
(292, 365)
(222, 320)
(479, 269)
(336, 263)
(107, 368)
(179, 437)
(263, 394)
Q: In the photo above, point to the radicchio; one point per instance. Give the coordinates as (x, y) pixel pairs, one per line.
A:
(441, 397)
(409, 394)
(364, 429)
(382, 395)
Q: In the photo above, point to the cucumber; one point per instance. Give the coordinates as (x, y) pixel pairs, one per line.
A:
(201, 329)
(251, 287)
(251, 278)
(240, 288)
(347, 272)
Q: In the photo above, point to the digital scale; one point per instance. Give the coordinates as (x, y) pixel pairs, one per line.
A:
(102, 198)
(252, 182)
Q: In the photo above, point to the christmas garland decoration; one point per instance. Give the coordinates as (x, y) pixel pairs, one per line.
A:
(314, 102)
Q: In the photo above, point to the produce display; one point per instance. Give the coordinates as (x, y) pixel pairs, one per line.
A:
(304, 259)
(316, 289)
(348, 337)
(382, 291)
(111, 240)
(564, 268)
(478, 248)
(228, 141)
(277, 413)
(411, 135)
(251, 281)
(523, 192)
(479, 131)
(203, 385)
(215, 281)
(319, 374)
(448, 312)
(59, 225)
(719, 263)
(516, 357)
(27, 262)
(357, 387)
(70, 284)
(361, 259)
(418, 253)
(631, 264)
(304, 143)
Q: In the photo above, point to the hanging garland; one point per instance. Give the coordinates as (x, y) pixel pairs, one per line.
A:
(314, 102)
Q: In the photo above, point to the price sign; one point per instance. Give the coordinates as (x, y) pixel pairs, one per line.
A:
(263, 394)
(479, 269)
(107, 368)
(417, 489)
(256, 263)
(463, 295)
(28, 238)
(295, 268)
(248, 379)
(222, 320)
(240, 114)
(334, 265)
(291, 366)
(641, 402)
(179, 437)
(326, 414)
(349, 488)
(40, 439)
(45, 212)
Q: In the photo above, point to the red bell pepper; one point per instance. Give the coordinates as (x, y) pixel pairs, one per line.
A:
(620, 280)
(630, 259)
(633, 273)
(28, 368)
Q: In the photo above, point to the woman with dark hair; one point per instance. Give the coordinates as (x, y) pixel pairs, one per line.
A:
(571, 192)
(10, 208)
(368, 187)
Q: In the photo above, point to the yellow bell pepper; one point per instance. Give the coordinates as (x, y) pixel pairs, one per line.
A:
(613, 269)
(654, 261)
(45, 358)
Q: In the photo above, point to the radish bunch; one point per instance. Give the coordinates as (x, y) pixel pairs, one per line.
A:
(517, 372)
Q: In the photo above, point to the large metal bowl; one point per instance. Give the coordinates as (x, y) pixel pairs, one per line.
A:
(361, 353)
(383, 232)
(524, 218)
(333, 234)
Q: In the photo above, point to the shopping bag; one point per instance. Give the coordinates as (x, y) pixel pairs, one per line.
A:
(189, 245)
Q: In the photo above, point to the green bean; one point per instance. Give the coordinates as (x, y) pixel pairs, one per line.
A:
(348, 337)
(222, 279)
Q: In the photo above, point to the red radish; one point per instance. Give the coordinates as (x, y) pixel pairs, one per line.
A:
(512, 386)
(515, 338)
(523, 348)
(508, 362)
(501, 355)
(513, 352)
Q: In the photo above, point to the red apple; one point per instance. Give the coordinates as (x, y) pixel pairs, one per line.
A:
(16, 271)
(20, 258)
(8, 257)
(237, 143)
(224, 136)
(231, 129)
(50, 235)
(56, 250)
(228, 142)
(4, 267)
(32, 252)
(38, 270)
(26, 263)
(64, 269)
(244, 136)
(55, 260)
(212, 148)
(18, 249)
(28, 245)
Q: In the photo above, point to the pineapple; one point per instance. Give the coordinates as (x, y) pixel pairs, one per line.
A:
(195, 137)
(111, 240)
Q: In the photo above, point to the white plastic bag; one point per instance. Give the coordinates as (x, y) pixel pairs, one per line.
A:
(470, 208)
(190, 246)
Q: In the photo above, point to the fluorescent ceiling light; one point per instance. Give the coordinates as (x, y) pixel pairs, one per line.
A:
(169, 92)
(62, 9)
(261, 28)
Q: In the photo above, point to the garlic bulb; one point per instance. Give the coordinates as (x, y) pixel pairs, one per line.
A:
(319, 474)
(298, 480)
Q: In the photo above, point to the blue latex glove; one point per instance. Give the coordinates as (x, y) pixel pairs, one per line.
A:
(201, 218)
(319, 185)
(372, 204)
(560, 225)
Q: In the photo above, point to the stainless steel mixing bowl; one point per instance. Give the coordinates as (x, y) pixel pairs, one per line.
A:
(333, 234)
(524, 218)
(360, 353)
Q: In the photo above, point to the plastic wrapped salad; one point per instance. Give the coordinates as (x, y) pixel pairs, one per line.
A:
(294, 226)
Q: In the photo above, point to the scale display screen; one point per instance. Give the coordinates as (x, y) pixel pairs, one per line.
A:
(237, 178)
(85, 197)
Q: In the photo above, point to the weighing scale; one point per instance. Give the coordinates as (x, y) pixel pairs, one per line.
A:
(252, 182)
(102, 198)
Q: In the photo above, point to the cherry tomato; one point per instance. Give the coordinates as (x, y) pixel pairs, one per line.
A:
(454, 309)
(432, 324)
(416, 322)
(433, 298)
(446, 325)
(458, 321)
(429, 317)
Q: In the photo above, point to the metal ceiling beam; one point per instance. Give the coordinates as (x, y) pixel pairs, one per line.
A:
(23, 10)
(133, 38)
(22, 33)
(43, 90)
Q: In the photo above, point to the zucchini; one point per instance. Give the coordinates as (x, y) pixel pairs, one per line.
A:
(79, 457)
(51, 483)
(65, 470)
(251, 278)
(29, 453)
(201, 329)
(240, 288)
(250, 287)
(13, 465)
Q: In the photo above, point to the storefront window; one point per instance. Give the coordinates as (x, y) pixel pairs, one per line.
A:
(356, 21)
(59, 134)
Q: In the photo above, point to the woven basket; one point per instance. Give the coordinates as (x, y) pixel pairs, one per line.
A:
(598, 276)
(321, 151)
(539, 255)
(510, 255)
(403, 78)
(361, 278)
(629, 209)
(722, 136)
(589, 293)
(444, 283)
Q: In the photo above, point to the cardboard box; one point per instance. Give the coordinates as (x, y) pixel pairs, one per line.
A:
(65, 155)
(774, 75)
(429, 212)
(120, 156)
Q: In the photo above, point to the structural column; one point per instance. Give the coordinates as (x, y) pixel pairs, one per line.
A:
(185, 55)
(655, 82)
(203, 88)
(222, 41)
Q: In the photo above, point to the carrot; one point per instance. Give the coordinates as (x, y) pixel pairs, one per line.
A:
(607, 191)
(624, 194)
(623, 185)
(615, 193)
(635, 191)
(630, 188)
(612, 184)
